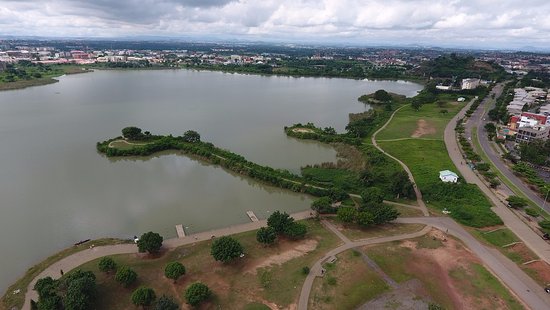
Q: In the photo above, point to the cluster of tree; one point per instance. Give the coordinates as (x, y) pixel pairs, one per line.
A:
(372, 210)
(461, 67)
(190, 143)
(77, 290)
(27, 70)
(525, 170)
(226, 249)
(325, 135)
(537, 152)
(516, 202)
(499, 112)
(280, 224)
(539, 79)
(139, 64)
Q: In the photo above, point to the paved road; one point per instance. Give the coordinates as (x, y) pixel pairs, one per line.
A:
(478, 119)
(73, 261)
(524, 232)
(419, 200)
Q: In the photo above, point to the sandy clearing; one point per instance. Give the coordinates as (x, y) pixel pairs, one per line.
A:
(302, 130)
(423, 128)
(286, 255)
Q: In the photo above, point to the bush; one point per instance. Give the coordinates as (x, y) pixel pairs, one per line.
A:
(150, 242)
(266, 235)
(143, 296)
(174, 270)
(305, 270)
(544, 224)
(107, 264)
(296, 231)
(532, 212)
(166, 303)
(516, 202)
(196, 293)
(126, 276)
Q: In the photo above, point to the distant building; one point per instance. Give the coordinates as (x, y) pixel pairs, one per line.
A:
(448, 176)
(470, 83)
(442, 87)
(461, 99)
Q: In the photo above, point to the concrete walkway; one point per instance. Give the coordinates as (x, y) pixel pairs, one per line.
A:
(419, 200)
(73, 261)
(524, 232)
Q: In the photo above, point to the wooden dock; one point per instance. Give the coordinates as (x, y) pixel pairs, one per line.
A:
(252, 216)
(180, 231)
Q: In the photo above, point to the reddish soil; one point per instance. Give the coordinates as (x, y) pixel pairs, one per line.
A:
(423, 128)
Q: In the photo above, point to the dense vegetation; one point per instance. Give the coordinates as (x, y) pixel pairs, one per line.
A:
(461, 67)
(77, 290)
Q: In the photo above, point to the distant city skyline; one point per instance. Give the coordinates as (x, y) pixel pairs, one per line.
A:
(483, 24)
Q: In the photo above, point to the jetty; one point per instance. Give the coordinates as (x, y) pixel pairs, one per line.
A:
(252, 216)
(180, 231)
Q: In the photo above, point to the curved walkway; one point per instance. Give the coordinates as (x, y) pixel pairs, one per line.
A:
(77, 259)
(419, 200)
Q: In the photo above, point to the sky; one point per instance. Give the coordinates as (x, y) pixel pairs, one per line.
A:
(461, 23)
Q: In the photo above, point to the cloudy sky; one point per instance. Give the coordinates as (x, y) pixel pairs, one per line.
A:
(484, 23)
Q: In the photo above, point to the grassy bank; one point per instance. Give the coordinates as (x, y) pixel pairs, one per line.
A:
(37, 77)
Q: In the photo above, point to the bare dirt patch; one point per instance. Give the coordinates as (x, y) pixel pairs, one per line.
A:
(423, 128)
(302, 130)
(289, 251)
(540, 270)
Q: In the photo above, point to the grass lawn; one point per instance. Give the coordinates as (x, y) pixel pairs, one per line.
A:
(356, 232)
(244, 283)
(124, 145)
(405, 121)
(425, 158)
(9, 300)
(407, 212)
(347, 284)
(342, 178)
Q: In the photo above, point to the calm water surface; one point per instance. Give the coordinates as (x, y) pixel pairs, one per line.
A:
(55, 189)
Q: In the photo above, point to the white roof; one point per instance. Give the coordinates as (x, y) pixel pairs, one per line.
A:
(445, 173)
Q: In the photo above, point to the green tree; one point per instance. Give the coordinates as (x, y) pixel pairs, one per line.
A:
(516, 202)
(107, 264)
(279, 221)
(226, 249)
(296, 231)
(125, 276)
(196, 293)
(401, 185)
(372, 197)
(383, 214)
(266, 235)
(150, 242)
(132, 133)
(382, 95)
(143, 296)
(174, 270)
(347, 214)
(81, 293)
(323, 205)
(416, 104)
(46, 287)
(166, 303)
(364, 218)
(191, 136)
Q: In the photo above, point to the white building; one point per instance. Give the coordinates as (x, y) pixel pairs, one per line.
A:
(470, 83)
(448, 176)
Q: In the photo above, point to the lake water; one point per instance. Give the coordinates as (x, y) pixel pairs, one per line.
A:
(55, 189)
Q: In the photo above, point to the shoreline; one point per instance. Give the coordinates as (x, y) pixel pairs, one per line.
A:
(52, 269)
(6, 86)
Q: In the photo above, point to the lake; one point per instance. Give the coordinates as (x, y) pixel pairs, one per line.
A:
(55, 189)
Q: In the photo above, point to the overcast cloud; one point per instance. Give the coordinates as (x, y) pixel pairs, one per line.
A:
(498, 23)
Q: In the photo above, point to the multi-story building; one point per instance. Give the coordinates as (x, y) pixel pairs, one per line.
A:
(470, 83)
(530, 133)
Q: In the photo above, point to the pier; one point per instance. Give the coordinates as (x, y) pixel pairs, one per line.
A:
(180, 231)
(252, 216)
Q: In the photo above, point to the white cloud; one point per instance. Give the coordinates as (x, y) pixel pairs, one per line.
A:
(365, 21)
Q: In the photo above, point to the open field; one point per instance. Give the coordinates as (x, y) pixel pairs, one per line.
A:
(429, 122)
(348, 283)
(356, 232)
(450, 275)
(267, 275)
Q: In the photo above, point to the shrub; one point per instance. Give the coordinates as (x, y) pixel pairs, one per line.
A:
(226, 249)
(107, 264)
(125, 276)
(532, 212)
(196, 293)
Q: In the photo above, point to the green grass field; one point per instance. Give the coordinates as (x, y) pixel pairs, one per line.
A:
(425, 158)
(405, 121)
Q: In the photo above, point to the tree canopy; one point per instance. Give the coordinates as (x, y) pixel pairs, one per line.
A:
(266, 235)
(150, 242)
(191, 136)
(125, 276)
(143, 296)
(107, 264)
(174, 270)
(196, 293)
(166, 303)
(132, 133)
(225, 249)
(279, 221)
